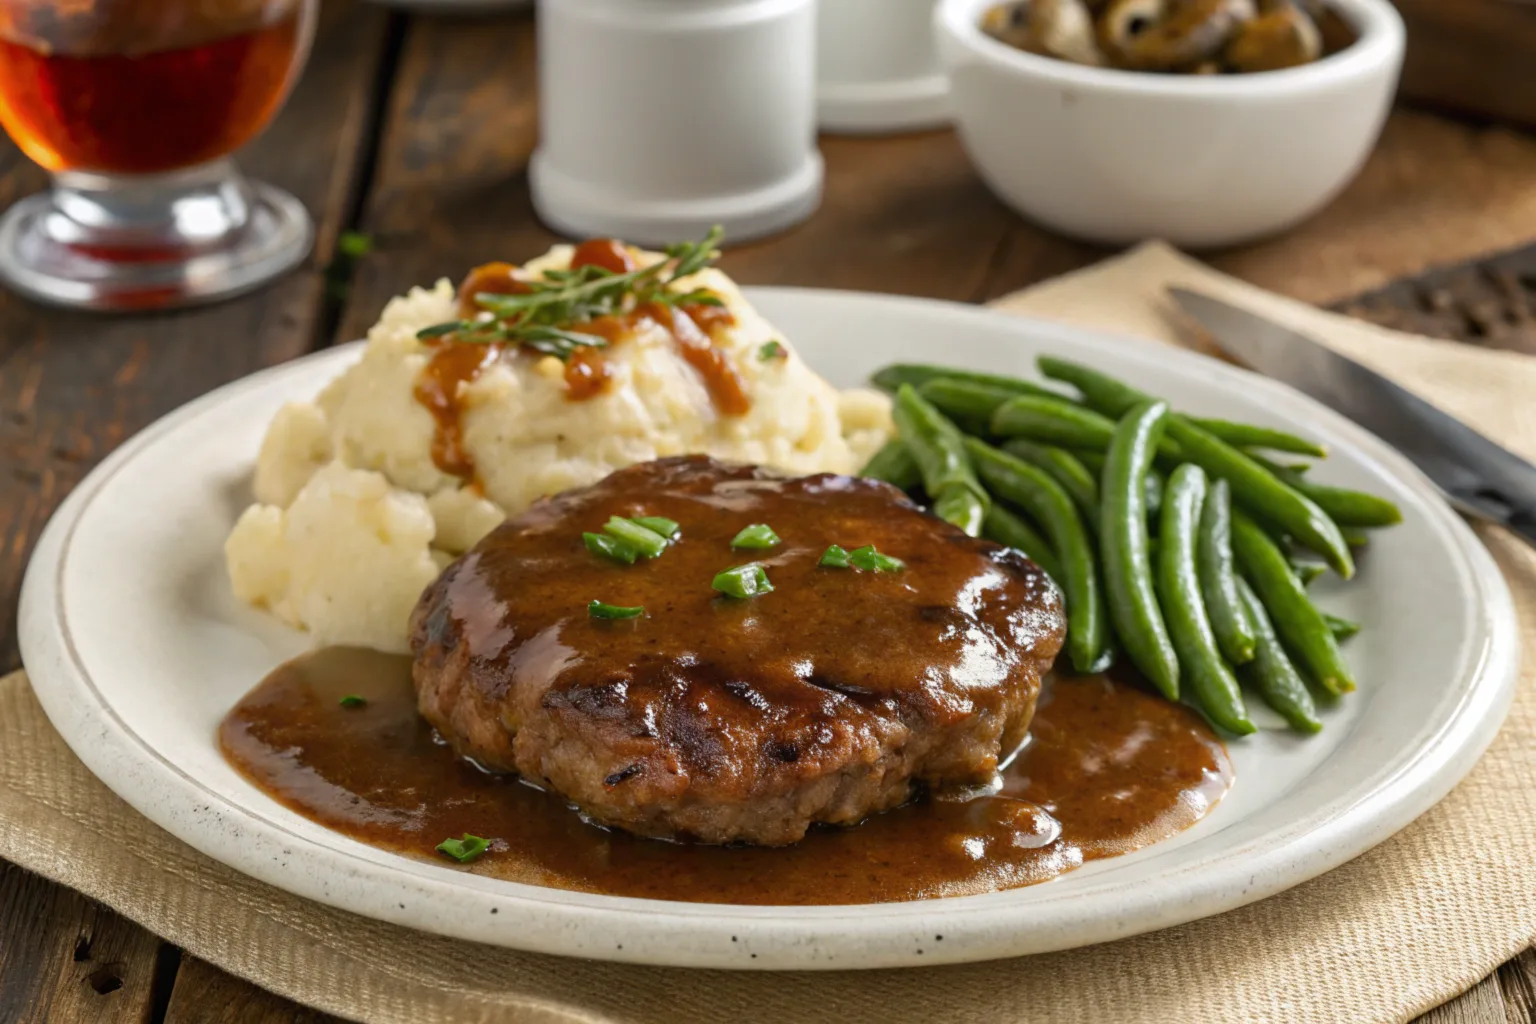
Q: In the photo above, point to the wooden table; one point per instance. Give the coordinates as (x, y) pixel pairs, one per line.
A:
(417, 131)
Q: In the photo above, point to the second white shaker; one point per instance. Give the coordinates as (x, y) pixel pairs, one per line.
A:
(660, 118)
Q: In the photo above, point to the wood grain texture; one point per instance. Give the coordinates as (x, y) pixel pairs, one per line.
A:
(908, 215)
(450, 188)
(1482, 1004)
(206, 995)
(64, 958)
(1473, 56)
(73, 386)
(1489, 302)
(1517, 981)
(1435, 192)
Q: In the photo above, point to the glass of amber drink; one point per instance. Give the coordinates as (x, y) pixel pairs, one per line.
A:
(134, 106)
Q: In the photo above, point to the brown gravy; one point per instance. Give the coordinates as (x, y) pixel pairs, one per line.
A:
(1109, 768)
(453, 367)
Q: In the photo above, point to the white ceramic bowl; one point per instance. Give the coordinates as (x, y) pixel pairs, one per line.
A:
(1121, 156)
(876, 69)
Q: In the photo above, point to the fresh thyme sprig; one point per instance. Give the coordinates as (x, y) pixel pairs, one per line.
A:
(541, 317)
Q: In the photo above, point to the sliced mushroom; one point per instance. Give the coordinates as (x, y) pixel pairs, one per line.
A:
(1055, 28)
(1193, 31)
(1283, 37)
(1009, 23)
(1066, 29)
(1123, 20)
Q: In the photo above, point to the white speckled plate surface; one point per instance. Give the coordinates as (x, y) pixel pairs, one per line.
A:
(137, 648)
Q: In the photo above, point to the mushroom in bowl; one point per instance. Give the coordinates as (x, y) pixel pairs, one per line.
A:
(1201, 160)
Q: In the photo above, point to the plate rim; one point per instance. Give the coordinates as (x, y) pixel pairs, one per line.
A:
(108, 746)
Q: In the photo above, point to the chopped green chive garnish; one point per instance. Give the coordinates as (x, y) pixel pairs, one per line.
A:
(873, 561)
(667, 528)
(834, 557)
(758, 535)
(647, 542)
(464, 850)
(354, 244)
(352, 700)
(599, 610)
(773, 350)
(625, 540)
(748, 580)
(611, 547)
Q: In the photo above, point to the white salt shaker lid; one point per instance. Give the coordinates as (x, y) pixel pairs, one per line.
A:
(661, 118)
(877, 67)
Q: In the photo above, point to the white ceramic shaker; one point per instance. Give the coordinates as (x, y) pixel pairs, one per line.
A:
(660, 118)
(877, 68)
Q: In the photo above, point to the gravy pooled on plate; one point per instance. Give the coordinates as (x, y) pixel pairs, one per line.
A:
(1109, 768)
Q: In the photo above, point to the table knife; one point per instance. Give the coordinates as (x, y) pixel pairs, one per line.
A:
(1479, 478)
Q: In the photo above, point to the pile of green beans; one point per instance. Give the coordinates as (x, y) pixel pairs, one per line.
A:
(1179, 542)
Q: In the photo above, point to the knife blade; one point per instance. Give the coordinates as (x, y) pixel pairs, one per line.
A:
(1479, 477)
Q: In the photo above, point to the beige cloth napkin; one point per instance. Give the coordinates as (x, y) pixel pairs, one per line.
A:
(1396, 931)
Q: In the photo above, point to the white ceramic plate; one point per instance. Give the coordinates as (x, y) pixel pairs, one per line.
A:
(137, 648)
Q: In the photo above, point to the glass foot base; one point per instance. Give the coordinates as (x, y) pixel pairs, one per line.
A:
(108, 244)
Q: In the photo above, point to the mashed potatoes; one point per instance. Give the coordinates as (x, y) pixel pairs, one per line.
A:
(354, 518)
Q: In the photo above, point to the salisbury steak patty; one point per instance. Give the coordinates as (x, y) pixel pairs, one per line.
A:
(728, 720)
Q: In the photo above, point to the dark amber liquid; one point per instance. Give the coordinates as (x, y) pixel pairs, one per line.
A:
(146, 113)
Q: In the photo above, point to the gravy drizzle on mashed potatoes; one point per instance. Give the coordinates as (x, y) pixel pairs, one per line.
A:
(355, 515)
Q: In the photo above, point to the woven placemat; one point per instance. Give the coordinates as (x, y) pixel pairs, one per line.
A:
(1404, 927)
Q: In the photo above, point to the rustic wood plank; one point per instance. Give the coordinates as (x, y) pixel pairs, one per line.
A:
(1517, 980)
(1434, 192)
(449, 187)
(1472, 56)
(65, 958)
(73, 385)
(206, 995)
(1482, 1004)
(904, 214)
(908, 215)
(1489, 302)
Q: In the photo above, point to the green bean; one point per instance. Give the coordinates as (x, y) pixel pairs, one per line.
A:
(961, 507)
(1259, 491)
(1271, 671)
(1112, 398)
(938, 448)
(1123, 535)
(1293, 467)
(1054, 421)
(1214, 687)
(1066, 469)
(1154, 487)
(1094, 460)
(1342, 629)
(1344, 506)
(1296, 618)
(1246, 435)
(1308, 571)
(892, 377)
(1253, 486)
(1355, 536)
(1218, 579)
(965, 402)
(1011, 531)
(1101, 391)
(1045, 501)
(894, 464)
